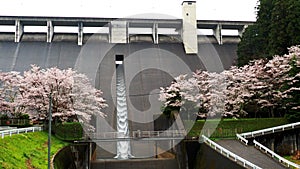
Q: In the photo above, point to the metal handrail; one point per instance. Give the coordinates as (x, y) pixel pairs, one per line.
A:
(168, 133)
(272, 129)
(240, 137)
(229, 153)
(273, 154)
(138, 134)
(20, 130)
(243, 137)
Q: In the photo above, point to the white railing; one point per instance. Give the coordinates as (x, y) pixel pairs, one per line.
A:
(244, 140)
(106, 135)
(139, 134)
(274, 155)
(6, 128)
(20, 130)
(167, 133)
(229, 154)
(268, 130)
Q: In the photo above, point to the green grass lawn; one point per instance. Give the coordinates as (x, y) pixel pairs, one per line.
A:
(27, 150)
(229, 127)
(290, 159)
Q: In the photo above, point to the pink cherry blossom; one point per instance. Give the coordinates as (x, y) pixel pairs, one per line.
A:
(73, 97)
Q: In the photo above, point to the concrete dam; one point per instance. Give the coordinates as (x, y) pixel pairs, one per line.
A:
(153, 52)
(147, 66)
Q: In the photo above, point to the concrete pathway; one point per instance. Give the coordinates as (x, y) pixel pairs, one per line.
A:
(251, 154)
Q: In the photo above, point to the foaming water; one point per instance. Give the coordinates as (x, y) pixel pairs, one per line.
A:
(123, 147)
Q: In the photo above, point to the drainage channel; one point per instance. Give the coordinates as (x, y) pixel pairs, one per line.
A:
(123, 147)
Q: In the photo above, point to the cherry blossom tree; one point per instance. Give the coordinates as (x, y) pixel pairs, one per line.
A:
(267, 84)
(203, 92)
(9, 82)
(182, 91)
(72, 95)
(211, 87)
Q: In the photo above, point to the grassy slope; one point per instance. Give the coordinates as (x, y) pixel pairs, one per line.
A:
(228, 127)
(27, 150)
(290, 159)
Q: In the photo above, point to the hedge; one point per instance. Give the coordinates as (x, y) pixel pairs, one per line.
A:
(69, 131)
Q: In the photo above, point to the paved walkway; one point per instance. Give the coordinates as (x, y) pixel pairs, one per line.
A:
(251, 154)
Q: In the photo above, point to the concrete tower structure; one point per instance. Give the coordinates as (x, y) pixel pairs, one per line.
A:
(189, 27)
(118, 32)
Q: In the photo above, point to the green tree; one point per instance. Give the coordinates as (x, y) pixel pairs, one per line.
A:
(251, 46)
(293, 103)
(277, 28)
(278, 36)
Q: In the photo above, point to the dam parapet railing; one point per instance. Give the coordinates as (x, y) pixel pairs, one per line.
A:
(169, 134)
(17, 29)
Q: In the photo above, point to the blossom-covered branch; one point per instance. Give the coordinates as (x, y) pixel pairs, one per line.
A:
(263, 83)
(72, 95)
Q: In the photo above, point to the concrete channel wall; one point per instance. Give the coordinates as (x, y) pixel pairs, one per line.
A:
(210, 159)
(282, 143)
(135, 164)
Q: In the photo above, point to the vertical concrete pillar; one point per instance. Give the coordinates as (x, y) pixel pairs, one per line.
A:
(80, 33)
(272, 142)
(218, 34)
(118, 32)
(19, 31)
(50, 31)
(109, 32)
(155, 33)
(189, 27)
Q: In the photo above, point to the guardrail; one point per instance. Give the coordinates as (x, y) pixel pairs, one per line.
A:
(167, 133)
(20, 130)
(244, 140)
(106, 135)
(139, 134)
(270, 130)
(243, 137)
(6, 128)
(274, 155)
(229, 154)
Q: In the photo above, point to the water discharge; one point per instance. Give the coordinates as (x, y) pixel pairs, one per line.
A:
(123, 147)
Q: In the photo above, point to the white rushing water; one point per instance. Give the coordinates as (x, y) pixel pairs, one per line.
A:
(123, 147)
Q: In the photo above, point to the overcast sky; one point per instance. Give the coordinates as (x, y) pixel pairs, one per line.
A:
(242, 10)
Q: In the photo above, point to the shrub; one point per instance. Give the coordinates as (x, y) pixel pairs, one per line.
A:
(69, 131)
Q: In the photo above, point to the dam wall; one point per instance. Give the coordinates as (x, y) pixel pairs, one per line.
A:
(147, 67)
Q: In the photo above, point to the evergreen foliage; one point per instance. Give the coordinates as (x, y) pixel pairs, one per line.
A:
(69, 131)
(276, 29)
